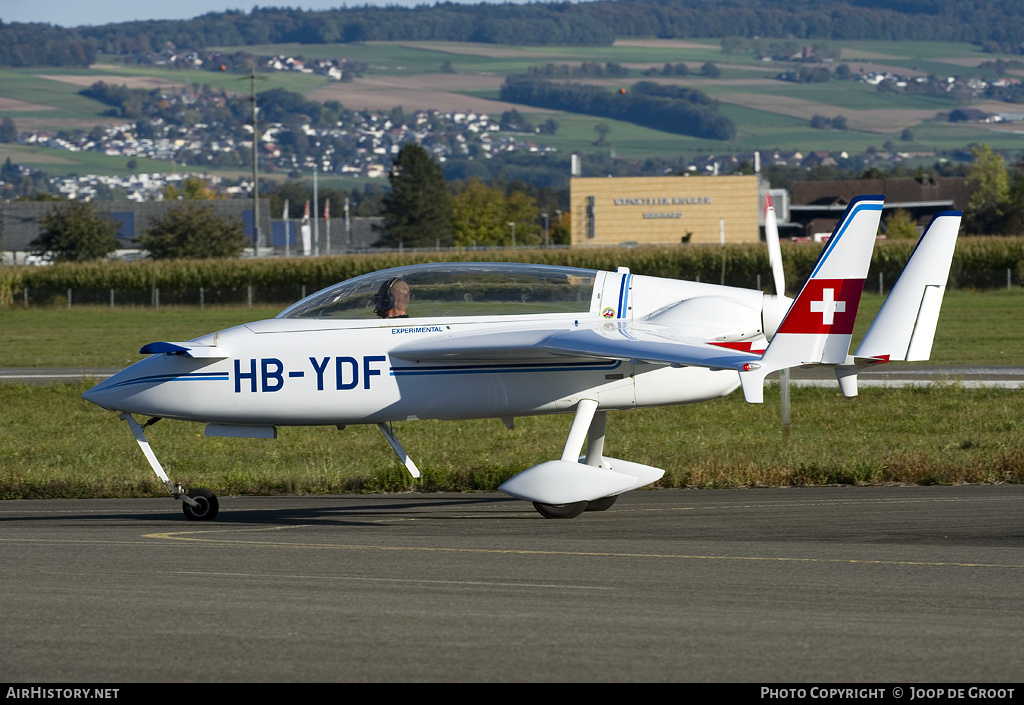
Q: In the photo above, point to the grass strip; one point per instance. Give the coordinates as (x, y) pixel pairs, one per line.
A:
(975, 328)
(58, 445)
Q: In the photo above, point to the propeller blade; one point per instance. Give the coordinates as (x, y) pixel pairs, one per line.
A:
(771, 236)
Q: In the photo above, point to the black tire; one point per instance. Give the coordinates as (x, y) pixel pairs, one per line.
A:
(208, 505)
(600, 505)
(560, 511)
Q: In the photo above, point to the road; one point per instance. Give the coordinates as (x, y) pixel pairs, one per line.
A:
(823, 585)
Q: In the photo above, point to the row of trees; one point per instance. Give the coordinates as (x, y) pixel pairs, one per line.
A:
(43, 45)
(821, 122)
(207, 105)
(996, 24)
(75, 232)
(669, 108)
(420, 210)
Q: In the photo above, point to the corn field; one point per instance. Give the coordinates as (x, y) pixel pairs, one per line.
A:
(979, 263)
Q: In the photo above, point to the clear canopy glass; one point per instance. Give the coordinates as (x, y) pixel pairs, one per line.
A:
(458, 289)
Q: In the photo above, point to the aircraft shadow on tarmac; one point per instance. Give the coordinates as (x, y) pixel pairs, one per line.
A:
(333, 511)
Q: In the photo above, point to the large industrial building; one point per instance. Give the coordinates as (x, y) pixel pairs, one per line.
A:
(665, 210)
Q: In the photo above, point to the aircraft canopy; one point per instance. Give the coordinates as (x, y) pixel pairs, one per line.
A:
(458, 289)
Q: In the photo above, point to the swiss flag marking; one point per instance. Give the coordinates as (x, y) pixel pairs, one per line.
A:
(825, 306)
(828, 307)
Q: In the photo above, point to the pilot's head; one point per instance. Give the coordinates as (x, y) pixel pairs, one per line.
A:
(392, 299)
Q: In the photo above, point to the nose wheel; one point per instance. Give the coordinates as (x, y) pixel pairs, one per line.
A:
(199, 504)
(206, 505)
(560, 511)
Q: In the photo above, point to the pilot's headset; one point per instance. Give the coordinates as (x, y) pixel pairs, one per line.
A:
(384, 300)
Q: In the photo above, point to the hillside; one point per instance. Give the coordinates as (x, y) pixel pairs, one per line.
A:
(849, 103)
(997, 24)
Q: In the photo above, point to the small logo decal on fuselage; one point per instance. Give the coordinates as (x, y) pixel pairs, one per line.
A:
(416, 329)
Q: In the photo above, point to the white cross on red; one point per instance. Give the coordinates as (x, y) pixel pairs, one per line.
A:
(828, 306)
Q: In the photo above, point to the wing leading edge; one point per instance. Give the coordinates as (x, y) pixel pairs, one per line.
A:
(606, 341)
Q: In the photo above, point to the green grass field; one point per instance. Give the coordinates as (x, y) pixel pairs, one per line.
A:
(57, 445)
(975, 328)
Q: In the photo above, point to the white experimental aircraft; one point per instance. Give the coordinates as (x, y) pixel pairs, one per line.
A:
(487, 340)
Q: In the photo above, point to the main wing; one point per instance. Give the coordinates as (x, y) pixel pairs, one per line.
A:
(603, 340)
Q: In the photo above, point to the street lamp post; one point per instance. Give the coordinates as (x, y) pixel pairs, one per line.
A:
(513, 226)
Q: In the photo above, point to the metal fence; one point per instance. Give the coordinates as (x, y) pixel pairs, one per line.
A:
(284, 295)
(155, 298)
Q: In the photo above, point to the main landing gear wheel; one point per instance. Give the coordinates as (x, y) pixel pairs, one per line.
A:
(599, 505)
(560, 511)
(208, 505)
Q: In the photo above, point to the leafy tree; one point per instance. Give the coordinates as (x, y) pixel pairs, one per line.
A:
(192, 189)
(295, 192)
(709, 70)
(988, 205)
(548, 127)
(8, 172)
(418, 209)
(482, 215)
(369, 203)
(513, 121)
(193, 230)
(8, 132)
(900, 225)
(521, 209)
(1015, 201)
(561, 230)
(478, 215)
(75, 232)
(675, 70)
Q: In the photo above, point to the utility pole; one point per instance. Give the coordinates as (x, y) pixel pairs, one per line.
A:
(255, 166)
(316, 217)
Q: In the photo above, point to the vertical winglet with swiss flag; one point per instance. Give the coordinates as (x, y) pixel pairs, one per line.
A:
(818, 327)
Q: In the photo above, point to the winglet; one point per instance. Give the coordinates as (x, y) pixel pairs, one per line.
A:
(818, 327)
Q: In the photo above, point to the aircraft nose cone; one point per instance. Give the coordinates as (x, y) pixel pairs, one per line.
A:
(115, 392)
(101, 395)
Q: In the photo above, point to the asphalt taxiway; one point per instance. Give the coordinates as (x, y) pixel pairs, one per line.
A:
(837, 584)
